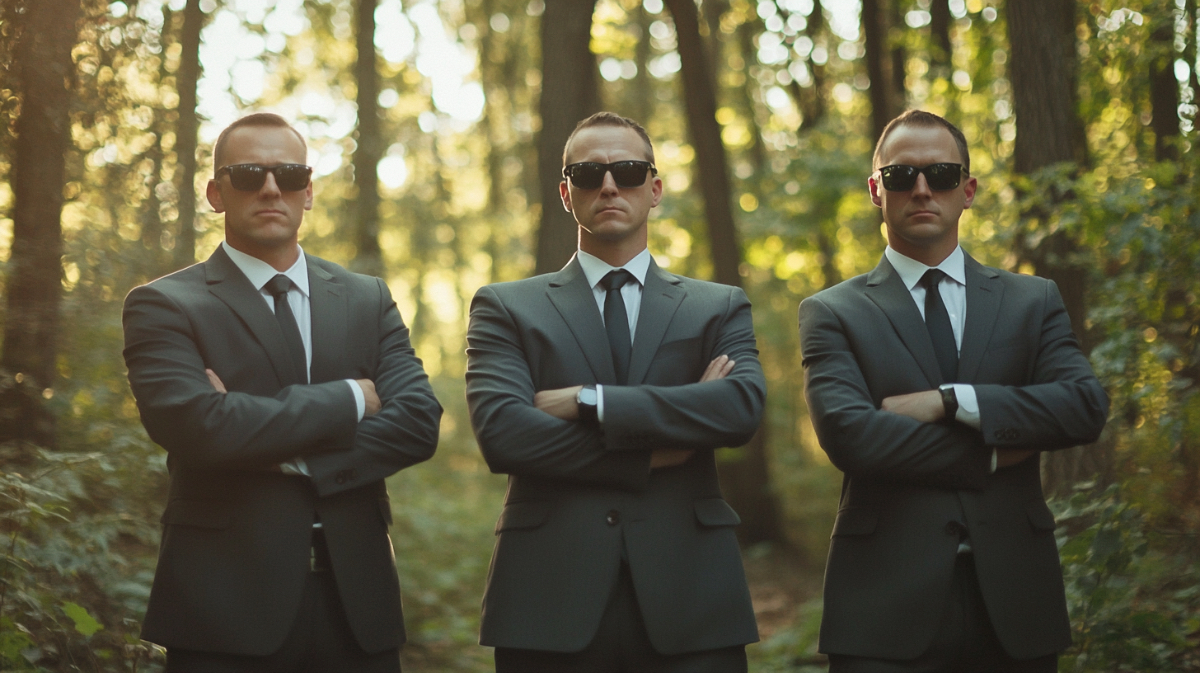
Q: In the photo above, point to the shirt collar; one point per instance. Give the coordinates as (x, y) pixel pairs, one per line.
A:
(259, 272)
(911, 270)
(595, 268)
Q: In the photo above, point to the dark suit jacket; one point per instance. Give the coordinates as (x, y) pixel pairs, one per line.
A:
(909, 486)
(237, 533)
(576, 494)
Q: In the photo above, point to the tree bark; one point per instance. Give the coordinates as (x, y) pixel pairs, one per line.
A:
(941, 58)
(879, 65)
(899, 56)
(1164, 89)
(1042, 71)
(368, 256)
(34, 287)
(187, 126)
(569, 94)
(745, 479)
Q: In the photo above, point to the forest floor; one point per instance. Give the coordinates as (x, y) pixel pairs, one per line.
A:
(786, 590)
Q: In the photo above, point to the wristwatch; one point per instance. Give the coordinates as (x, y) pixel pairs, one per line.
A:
(949, 401)
(586, 401)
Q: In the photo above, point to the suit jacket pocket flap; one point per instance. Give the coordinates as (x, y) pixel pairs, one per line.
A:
(716, 512)
(523, 515)
(200, 513)
(1039, 515)
(855, 521)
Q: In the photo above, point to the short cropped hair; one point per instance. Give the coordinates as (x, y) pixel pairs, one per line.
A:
(610, 119)
(926, 120)
(267, 119)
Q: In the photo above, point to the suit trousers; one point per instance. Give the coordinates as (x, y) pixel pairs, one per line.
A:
(320, 641)
(621, 645)
(965, 641)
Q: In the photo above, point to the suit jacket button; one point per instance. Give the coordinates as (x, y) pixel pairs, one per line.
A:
(613, 518)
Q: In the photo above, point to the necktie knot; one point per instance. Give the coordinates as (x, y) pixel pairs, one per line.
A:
(932, 278)
(278, 285)
(616, 279)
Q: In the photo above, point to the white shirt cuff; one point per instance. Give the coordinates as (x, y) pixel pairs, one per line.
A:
(992, 469)
(968, 405)
(295, 467)
(599, 403)
(360, 400)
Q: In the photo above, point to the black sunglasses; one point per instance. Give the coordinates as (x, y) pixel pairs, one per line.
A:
(590, 175)
(939, 177)
(250, 177)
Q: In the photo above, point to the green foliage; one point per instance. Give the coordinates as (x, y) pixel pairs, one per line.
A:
(1133, 603)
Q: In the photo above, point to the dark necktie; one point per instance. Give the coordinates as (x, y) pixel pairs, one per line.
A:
(616, 321)
(278, 287)
(937, 321)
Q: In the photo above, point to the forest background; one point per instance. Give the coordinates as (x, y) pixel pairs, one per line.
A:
(436, 130)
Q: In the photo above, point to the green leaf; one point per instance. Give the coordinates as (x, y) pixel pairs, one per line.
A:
(85, 623)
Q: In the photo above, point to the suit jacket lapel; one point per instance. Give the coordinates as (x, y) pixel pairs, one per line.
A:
(572, 297)
(231, 286)
(329, 315)
(984, 294)
(885, 288)
(660, 298)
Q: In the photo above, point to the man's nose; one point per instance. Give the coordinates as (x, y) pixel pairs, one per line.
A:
(922, 186)
(270, 187)
(609, 185)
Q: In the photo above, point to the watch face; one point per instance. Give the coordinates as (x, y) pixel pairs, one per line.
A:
(587, 396)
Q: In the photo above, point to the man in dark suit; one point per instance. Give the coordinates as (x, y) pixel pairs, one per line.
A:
(934, 383)
(285, 390)
(602, 391)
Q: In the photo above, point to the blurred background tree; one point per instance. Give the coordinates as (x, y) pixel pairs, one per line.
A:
(436, 131)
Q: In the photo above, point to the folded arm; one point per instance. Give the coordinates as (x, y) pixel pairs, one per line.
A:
(185, 415)
(514, 435)
(861, 439)
(709, 414)
(404, 430)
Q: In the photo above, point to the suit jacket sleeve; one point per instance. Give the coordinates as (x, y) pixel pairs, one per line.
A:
(1063, 406)
(862, 440)
(695, 415)
(404, 431)
(514, 436)
(195, 424)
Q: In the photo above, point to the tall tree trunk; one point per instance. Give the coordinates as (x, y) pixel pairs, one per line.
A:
(745, 480)
(879, 65)
(745, 36)
(899, 56)
(941, 57)
(34, 287)
(1164, 89)
(569, 94)
(643, 102)
(368, 257)
(186, 129)
(1042, 67)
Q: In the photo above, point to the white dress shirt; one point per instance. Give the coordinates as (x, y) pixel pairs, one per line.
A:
(594, 269)
(259, 274)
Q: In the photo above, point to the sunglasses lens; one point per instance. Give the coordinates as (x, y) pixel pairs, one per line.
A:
(898, 178)
(942, 176)
(629, 173)
(247, 177)
(292, 177)
(587, 175)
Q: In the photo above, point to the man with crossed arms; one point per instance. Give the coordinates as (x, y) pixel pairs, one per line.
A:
(602, 390)
(285, 390)
(934, 383)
